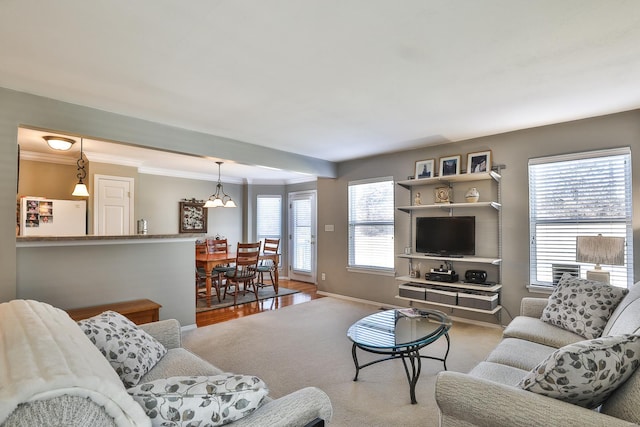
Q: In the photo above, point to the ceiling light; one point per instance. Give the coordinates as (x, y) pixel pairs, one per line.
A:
(59, 142)
(81, 187)
(218, 200)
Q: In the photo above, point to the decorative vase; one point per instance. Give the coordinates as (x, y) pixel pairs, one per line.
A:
(472, 195)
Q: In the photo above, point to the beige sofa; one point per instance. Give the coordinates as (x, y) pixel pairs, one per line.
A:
(487, 396)
(51, 374)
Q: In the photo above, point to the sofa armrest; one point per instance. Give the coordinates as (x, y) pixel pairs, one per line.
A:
(533, 307)
(295, 409)
(471, 401)
(165, 331)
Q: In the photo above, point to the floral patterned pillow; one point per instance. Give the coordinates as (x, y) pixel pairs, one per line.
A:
(131, 351)
(587, 372)
(582, 306)
(200, 400)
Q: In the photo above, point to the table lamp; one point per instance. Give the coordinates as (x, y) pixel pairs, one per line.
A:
(600, 250)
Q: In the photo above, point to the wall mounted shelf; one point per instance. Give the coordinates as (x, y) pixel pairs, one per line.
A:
(449, 206)
(456, 288)
(463, 177)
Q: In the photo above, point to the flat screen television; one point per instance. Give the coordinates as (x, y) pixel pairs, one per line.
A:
(446, 235)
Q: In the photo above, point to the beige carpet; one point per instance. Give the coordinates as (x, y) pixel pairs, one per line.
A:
(306, 345)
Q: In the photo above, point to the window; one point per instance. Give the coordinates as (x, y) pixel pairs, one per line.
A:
(371, 226)
(582, 194)
(269, 217)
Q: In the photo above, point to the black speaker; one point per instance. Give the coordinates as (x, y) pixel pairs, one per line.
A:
(475, 276)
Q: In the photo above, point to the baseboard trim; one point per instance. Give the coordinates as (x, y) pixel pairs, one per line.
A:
(385, 306)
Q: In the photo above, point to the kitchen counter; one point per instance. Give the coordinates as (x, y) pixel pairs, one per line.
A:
(33, 241)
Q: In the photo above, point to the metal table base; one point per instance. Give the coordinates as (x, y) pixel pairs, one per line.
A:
(410, 353)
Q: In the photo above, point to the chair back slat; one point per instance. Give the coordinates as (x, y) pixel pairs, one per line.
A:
(247, 255)
(217, 246)
(201, 248)
(271, 246)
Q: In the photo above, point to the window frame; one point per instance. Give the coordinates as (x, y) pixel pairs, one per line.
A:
(570, 227)
(352, 265)
(260, 236)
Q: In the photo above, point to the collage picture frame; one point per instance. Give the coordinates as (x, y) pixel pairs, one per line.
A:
(193, 217)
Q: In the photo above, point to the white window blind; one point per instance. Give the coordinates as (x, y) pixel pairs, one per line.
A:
(582, 194)
(302, 234)
(371, 226)
(269, 217)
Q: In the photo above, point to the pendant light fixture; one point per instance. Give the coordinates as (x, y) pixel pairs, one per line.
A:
(219, 199)
(59, 142)
(81, 188)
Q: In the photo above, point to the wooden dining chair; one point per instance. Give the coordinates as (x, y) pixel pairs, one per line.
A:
(219, 246)
(270, 247)
(201, 276)
(244, 272)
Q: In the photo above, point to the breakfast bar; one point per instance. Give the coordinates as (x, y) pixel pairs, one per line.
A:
(83, 271)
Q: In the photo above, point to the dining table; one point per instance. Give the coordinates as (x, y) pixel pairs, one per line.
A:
(209, 261)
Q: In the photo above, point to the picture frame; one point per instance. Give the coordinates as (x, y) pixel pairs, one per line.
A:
(450, 165)
(425, 169)
(479, 162)
(193, 217)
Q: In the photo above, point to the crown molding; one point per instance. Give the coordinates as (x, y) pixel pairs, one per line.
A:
(47, 158)
(123, 161)
(111, 159)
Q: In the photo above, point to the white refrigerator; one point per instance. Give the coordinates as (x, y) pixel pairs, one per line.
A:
(51, 217)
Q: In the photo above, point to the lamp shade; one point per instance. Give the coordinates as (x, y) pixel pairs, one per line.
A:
(59, 142)
(214, 203)
(600, 250)
(80, 190)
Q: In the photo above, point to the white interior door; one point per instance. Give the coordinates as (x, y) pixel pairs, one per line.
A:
(113, 206)
(302, 236)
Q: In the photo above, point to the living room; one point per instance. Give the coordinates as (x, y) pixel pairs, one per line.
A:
(512, 147)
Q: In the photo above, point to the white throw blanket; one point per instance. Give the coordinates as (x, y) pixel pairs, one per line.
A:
(43, 354)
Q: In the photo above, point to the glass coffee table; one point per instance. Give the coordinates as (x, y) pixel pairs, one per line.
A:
(400, 334)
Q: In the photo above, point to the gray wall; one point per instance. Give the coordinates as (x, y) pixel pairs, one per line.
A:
(160, 271)
(511, 149)
(283, 191)
(157, 201)
(17, 108)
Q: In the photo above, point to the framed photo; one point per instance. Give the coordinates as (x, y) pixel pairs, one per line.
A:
(425, 169)
(193, 217)
(479, 162)
(443, 195)
(450, 165)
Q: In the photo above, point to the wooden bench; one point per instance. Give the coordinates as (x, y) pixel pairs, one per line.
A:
(138, 311)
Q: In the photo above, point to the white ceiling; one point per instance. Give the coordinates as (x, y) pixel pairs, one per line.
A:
(332, 79)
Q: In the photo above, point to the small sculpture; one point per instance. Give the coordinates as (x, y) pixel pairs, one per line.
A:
(472, 195)
(418, 200)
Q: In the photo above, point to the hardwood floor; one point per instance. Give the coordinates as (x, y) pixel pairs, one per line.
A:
(308, 292)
